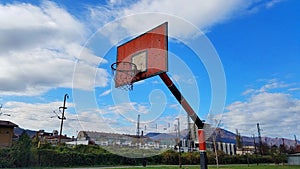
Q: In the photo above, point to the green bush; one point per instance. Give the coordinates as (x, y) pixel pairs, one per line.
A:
(6, 159)
(63, 156)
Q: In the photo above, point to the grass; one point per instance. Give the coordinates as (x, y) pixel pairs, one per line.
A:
(237, 166)
(261, 166)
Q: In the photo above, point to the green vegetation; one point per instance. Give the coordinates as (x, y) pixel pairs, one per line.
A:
(27, 153)
(224, 167)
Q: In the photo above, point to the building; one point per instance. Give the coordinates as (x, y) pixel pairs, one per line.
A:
(217, 138)
(52, 138)
(246, 150)
(158, 141)
(155, 141)
(6, 133)
(294, 159)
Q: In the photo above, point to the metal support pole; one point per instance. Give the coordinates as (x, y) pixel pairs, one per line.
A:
(202, 148)
(203, 158)
(62, 117)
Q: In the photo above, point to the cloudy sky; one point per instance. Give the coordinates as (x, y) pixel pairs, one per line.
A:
(249, 53)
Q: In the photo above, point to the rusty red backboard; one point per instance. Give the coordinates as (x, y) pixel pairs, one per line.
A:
(148, 52)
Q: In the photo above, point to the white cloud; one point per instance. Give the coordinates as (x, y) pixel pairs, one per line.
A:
(34, 116)
(202, 13)
(277, 112)
(271, 85)
(106, 92)
(271, 3)
(26, 26)
(39, 47)
(248, 91)
(294, 89)
(145, 14)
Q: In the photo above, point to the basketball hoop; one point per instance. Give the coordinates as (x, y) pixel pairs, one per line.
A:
(126, 72)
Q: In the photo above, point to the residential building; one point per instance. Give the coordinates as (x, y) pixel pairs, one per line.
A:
(52, 138)
(6, 133)
(246, 150)
(158, 141)
(294, 159)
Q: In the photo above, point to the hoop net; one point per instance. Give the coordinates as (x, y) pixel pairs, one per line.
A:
(124, 73)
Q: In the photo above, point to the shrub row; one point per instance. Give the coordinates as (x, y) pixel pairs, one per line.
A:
(92, 156)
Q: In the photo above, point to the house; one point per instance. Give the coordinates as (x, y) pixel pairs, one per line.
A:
(6, 133)
(294, 159)
(105, 139)
(246, 150)
(124, 140)
(52, 138)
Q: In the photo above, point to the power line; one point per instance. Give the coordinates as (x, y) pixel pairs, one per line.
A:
(5, 114)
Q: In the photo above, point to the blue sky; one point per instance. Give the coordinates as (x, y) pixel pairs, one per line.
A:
(49, 48)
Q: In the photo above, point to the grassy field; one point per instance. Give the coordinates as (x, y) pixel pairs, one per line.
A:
(241, 166)
(222, 167)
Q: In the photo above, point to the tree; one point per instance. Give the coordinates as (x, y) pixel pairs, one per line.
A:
(277, 156)
(22, 151)
(283, 148)
(5, 158)
(265, 148)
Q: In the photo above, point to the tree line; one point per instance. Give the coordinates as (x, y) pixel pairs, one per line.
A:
(26, 153)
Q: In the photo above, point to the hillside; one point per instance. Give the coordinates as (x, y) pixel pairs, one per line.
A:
(18, 131)
(222, 136)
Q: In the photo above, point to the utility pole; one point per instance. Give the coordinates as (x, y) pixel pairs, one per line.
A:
(62, 117)
(178, 129)
(255, 149)
(188, 141)
(283, 146)
(296, 142)
(138, 126)
(260, 141)
(254, 144)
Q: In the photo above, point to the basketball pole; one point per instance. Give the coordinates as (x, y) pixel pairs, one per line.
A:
(183, 102)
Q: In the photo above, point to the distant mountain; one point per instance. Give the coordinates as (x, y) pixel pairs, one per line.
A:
(222, 135)
(229, 137)
(226, 136)
(18, 131)
(160, 136)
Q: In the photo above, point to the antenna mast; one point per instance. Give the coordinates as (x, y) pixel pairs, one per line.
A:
(260, 141)
(138, 126)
